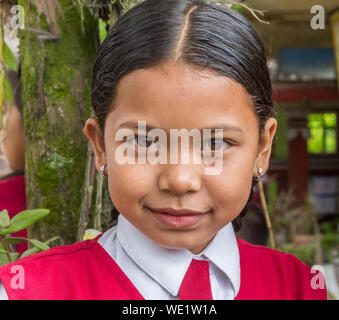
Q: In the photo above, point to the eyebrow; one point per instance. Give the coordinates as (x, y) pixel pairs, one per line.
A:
(225, 127)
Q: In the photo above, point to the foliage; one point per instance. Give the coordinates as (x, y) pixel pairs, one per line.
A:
(303, 252)
(107, 11)
(286, 217)
(7, 60)
(57, 58)
(298, 232)
(20, 222)
(102, 30)
(330, 239)
(307, 251)
(239, 6)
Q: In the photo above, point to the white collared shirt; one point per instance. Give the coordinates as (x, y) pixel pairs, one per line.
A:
(157, 272)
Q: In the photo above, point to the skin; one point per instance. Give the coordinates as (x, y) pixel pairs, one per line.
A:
(203, 100)
(13, 139)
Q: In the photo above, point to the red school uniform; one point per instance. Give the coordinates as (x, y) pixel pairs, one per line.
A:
(85, 270)
(13, 199)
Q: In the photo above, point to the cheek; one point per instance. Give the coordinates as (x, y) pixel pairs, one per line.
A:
(128, 184)
(231, 189)
(231, 192)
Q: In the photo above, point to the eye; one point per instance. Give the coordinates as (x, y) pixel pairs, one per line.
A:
(215, 145)
(141, 141)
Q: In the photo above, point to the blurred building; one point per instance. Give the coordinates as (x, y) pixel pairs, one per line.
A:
(305, 82)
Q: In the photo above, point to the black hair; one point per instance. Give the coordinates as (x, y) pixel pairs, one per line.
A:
(204, 35)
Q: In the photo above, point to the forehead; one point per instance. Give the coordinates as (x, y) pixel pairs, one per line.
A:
(181, 96)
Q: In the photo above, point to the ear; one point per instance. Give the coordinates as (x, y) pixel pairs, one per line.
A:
(265, 147)
(95, 135)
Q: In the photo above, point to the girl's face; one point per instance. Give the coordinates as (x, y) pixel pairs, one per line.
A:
(178, 96)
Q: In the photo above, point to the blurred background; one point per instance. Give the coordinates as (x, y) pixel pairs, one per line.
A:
(303, 181)
(45, 100)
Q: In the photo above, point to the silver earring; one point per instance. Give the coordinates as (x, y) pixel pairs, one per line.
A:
(102, 170)
(261, 173)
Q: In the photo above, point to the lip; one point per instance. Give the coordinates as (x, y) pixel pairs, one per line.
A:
(177, 212)
(179, 218)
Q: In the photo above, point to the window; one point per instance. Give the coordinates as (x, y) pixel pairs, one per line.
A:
(323, 130)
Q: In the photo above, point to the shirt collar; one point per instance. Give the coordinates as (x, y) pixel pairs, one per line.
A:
(159, 262)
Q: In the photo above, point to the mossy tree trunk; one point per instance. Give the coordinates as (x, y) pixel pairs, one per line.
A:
(58, 48)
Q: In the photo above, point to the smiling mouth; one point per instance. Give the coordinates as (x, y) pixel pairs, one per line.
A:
(178, 218)
(177, 212)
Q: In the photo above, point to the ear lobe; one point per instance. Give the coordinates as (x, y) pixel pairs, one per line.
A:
(94, 134)
(265, 148)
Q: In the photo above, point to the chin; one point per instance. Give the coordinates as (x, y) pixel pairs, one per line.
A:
(176, 244)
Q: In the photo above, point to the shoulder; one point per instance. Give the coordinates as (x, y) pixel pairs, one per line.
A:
(272, 257)
(255, 251)
(51, 274)
(82, 270)
(53, 255)
(282, 268)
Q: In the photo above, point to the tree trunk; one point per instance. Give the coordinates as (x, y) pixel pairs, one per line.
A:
(58, 48)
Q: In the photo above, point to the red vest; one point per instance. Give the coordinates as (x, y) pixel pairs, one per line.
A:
(85, 270)
(13, 198)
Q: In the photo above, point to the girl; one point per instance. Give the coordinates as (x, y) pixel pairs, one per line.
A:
(175, 64)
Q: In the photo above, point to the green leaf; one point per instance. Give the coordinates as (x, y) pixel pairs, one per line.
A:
(14, 256)
(102, 30)
(52, 239)
(38, 244)
(4, 218)
(8, 92)
(238, 8)
(29, 252)
(3, 259)
(13, 240)
(24, 219)
(29, 214)
(10, 58)
(3, 251)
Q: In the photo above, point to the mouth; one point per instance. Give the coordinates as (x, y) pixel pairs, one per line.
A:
(178, 218)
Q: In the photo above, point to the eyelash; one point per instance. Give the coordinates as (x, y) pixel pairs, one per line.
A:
(133, 138)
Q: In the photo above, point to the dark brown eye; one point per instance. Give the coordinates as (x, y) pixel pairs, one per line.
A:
(215, 144)
(141, 141)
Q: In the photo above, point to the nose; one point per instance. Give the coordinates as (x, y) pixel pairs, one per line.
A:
(179, 179)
